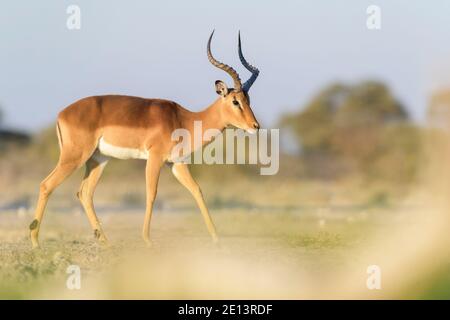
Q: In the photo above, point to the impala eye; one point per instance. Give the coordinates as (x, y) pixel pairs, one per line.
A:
(236, 103)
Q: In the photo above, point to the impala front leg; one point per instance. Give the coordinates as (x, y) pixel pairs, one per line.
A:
(182, 173)
(152, 175)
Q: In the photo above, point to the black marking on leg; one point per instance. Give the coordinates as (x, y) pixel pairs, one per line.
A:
(97, 234)
(34, 224)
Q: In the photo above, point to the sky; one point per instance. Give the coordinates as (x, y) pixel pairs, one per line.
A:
(157, 49)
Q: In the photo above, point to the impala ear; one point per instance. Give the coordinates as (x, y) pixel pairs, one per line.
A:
(221, 88)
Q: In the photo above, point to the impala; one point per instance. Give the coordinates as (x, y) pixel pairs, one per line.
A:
(94, 129)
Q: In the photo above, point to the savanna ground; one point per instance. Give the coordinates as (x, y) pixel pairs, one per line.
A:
(283, 238)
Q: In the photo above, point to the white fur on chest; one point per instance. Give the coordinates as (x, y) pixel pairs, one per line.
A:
(113, 151)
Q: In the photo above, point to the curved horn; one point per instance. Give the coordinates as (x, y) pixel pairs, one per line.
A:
(255, 72)
(223, 66)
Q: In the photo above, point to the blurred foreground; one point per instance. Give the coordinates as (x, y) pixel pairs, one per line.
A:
(290, 253)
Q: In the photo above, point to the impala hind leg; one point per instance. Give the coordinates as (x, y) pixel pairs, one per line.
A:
(54, 179)
(152, 171)
(182, 173)
(94, 170)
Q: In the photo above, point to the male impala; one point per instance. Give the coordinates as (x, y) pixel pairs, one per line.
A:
(92, 130)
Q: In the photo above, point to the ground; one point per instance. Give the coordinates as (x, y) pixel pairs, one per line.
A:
(280, 237)
(263, 253)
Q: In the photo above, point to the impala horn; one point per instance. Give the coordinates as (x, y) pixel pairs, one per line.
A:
(255, 72)
(224, 67)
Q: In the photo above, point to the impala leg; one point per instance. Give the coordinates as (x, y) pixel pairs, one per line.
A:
(58, 175)
(94, 170)
(182, 173)
(152, 171)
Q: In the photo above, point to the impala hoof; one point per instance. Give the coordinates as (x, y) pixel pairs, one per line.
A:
(148, 243)
(34, 234)
(35, 245)
(101, 238)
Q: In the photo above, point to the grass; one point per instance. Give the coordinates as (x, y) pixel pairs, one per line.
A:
(275, 254)
(280, 238)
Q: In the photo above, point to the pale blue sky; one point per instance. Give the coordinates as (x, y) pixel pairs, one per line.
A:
(157, 49)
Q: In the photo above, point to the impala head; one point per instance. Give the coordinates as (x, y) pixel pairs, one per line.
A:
(236, 108)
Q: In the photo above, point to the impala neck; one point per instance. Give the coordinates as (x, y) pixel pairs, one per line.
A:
(211, 118)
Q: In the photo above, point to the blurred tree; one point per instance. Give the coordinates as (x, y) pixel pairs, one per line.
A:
(360, 119)
(438, 113)
(352, 124)
(45, 143)
(313, 127)
(11, 138)
(398, 153)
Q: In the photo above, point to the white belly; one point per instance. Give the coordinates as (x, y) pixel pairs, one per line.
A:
(110, 150)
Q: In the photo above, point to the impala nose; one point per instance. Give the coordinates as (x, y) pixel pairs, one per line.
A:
(256, 125)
